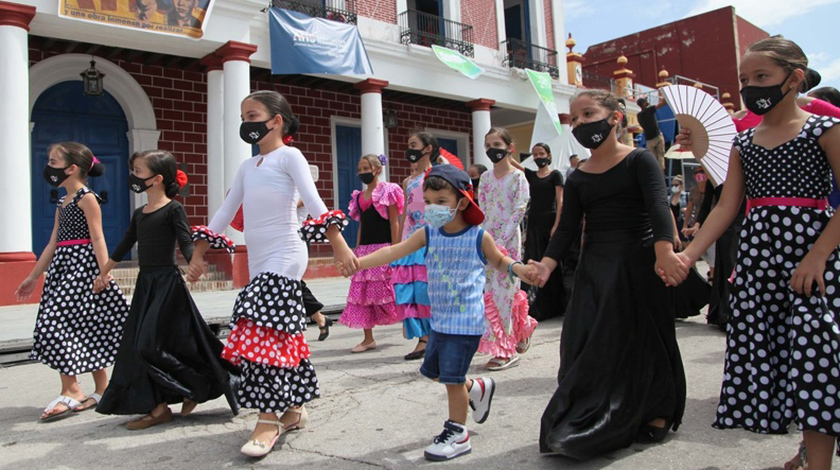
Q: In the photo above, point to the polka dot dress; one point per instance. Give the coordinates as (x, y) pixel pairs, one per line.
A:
(77, 331)
(783, 349)
(267, 343)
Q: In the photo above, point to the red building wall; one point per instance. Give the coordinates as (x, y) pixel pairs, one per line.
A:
(382, 10)
(702, 47)
(481, 14)
(549, 26)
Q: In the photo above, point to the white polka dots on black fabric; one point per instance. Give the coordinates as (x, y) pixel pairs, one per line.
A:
(783, 349)
(275, 302)
(272, 301)
(77, 331)
(275, 389)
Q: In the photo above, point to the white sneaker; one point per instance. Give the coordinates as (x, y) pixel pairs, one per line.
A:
(453, 442)
(481, 394)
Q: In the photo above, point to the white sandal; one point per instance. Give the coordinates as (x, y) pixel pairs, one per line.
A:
(93, 396)
(257, 449)
(69, 402)
(498, 363)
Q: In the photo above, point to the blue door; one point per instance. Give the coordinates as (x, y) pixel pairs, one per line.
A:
(348, 142)
(64, 113)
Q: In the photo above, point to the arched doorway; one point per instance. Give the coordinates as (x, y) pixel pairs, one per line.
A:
(64, 113)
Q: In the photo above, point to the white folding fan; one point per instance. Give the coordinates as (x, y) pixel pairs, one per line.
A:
(712, 129)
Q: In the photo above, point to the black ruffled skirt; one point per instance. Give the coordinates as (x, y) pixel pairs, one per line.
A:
(167, 352)
(620, 365)
(691, 296)
(550, 300)
(726, 251)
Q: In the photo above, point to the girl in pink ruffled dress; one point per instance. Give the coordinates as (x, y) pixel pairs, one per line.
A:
(504, 197)
(370, 301)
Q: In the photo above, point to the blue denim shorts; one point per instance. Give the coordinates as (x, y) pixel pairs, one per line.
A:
(448, 357)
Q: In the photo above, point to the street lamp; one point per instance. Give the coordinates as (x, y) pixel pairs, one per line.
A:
(92, 79)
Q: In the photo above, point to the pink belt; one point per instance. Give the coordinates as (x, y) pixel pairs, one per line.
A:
(821, 204)
(81, 241)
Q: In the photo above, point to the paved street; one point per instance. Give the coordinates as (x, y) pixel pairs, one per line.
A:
(376, 412)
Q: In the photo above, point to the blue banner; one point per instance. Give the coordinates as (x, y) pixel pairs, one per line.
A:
(302, 44)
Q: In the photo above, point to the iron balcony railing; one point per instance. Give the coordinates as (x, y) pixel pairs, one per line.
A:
(525, 55)
(426, 29)
(343, 11)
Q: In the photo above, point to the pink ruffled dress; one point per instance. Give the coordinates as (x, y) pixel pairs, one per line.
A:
(370, 301)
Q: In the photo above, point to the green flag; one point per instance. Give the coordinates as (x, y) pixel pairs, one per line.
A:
(457, 61)
(542, 85)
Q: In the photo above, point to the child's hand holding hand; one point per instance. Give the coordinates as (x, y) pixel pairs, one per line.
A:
(98, 285)
(196, 270)
(671, 268)
(540, 273)
(528, 274)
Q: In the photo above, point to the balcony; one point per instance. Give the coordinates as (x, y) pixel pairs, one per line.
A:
(525, 55)
(426, 29)
(343, 11)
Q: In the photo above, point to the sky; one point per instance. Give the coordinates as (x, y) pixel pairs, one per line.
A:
(812, 24)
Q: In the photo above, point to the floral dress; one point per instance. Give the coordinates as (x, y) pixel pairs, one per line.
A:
(504, 202)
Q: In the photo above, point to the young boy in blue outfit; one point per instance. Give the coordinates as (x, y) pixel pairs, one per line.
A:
(457, 250)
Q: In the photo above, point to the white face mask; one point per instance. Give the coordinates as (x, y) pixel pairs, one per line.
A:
(675, 189)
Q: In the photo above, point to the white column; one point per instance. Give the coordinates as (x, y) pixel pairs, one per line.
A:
(236, 86)
(215, 141)
(15, 158)
(373, 130)
(480, 127)
(537, 20)
(559, 38)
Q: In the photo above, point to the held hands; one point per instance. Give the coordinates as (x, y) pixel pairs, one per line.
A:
(197, 268)
(527, 273)
(690, 231)
(810, 271)
(347, 263)
(672, 268)
(25, 289)
(100, 284)
(536, 273)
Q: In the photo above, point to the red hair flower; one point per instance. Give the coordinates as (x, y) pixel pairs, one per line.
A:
(288, 140)
(181, 178)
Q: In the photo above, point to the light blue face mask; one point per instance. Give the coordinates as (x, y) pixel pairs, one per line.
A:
(437, 215)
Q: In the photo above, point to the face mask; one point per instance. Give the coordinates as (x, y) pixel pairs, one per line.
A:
(366, 178)
(253, 132)
(475, 183)
(542, 162)
(414, 155)
(496, 155)
(437, 216)
(55, 176)
(592, 134)
(761, 99)
(138, 184)
(700, 178)
(675, 189)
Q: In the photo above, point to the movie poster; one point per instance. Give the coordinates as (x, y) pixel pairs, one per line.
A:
(172, 17)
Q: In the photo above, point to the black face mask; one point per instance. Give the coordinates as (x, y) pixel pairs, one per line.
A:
(137, 184)
(542, 162)
(592, 134)
(496, 155)
(253, 132)
(475, 183)
(366, 178)
(55, 176)
(761, 99)
(414, 155)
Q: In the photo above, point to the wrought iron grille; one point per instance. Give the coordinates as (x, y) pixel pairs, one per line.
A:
(525, 55)
(426, 29)
(343, 11)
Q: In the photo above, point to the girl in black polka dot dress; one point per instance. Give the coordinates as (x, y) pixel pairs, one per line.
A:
(77, 331)
(783, 349)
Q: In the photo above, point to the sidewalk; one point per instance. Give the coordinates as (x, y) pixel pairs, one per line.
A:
(376, 412)
(19, 321)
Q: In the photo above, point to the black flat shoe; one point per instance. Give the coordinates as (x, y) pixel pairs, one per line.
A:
(325, 330)
(415, 355)
(649, 434)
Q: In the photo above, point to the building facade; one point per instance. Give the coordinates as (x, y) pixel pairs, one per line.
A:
(182, 95)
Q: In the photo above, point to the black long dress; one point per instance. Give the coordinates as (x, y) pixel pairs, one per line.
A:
(168, 352)
(620, 363)
(541, 216)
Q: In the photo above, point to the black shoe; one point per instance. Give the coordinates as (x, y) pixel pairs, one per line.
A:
(649, 434)
(325, 330)
(416, 354)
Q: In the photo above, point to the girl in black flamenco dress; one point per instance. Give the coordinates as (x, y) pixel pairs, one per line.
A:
(621, 377)
(168, 353)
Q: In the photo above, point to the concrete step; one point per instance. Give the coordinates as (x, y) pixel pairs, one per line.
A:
(213, 280)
